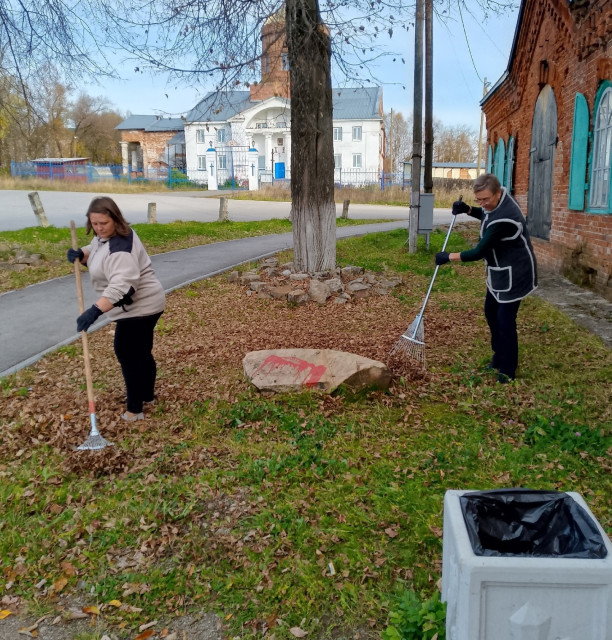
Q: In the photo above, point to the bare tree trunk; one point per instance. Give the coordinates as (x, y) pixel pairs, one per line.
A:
(313, 212)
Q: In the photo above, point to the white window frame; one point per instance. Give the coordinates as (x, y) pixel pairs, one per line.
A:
(356, 161)
(201, 135)
(337, 161)
(599, 193)
(220, 135)
(221, 161)
(357, 133)
(201, 163)
(338, 134)
(285, 61)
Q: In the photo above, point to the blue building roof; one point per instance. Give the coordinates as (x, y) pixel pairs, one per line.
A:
(151, 123)
(361, 103)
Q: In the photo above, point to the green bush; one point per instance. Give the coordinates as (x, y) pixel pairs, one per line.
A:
(413, 619)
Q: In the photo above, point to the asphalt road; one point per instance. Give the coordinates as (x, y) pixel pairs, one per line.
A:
(61, 207)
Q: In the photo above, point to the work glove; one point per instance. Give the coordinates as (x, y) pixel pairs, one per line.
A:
(87, 318)
(460, 207)
(75, 254)
(442, 257)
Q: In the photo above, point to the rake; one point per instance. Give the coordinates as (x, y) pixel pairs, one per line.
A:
(412, 341)
(95, 441)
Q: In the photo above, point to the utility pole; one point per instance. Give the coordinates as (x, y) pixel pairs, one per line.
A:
(429, 137)
(391, 163)
(484, 91)
(417, 129)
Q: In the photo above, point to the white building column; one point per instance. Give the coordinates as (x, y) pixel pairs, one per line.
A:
(268, 152)
(288, 154)
(253, 162)
(211, 169)
(125, 162)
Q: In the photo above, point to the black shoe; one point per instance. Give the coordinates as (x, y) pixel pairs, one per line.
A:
(502, 378)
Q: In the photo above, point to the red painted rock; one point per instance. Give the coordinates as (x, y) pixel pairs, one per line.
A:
(321, 369)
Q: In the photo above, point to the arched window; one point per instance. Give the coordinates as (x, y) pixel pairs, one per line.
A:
(599, 196)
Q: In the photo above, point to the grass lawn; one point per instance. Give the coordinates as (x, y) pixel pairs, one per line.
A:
(51, 243)
(229, 501)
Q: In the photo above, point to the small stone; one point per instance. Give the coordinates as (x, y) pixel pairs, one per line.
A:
(234, 276)
(257, 285)
(340, 300)
(296, 277)
(247, 278)
(351, 271)
(280, 293)
(297, 297)
(335, 285)
(319, 291)
(270, 262)
(355, 286)
(286, 273)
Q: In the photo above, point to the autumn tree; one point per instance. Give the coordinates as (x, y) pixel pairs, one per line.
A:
(455, 143)
(398, 132)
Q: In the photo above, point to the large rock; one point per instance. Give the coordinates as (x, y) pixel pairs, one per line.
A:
(321, 369)
(319, 291)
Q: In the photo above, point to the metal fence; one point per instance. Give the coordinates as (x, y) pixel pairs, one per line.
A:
(188, 178)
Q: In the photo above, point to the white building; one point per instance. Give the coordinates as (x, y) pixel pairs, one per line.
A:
(232, 126)
(245, 136)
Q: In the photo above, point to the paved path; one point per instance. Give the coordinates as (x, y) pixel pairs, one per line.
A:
(41, 317)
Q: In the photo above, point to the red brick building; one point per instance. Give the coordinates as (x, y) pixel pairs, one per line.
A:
(549, 124)
(150, 143)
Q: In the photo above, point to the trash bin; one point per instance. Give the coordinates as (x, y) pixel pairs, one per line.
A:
(525, 565)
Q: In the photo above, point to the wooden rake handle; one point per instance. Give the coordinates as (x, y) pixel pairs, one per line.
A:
(86, 358)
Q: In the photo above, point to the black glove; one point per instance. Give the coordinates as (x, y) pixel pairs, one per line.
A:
(86, 319)
(75, 254)
(460, 207)
(442, 257)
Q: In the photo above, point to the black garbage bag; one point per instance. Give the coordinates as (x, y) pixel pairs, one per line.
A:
(527, 522)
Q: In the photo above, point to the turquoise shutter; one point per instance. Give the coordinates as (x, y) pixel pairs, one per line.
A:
(578, 161)
(509, 164)
(490, 160)
(500, 160)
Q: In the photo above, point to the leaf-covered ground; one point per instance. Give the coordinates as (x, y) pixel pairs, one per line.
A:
(287, 514)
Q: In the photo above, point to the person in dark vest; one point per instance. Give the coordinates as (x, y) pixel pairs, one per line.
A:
(510, 263)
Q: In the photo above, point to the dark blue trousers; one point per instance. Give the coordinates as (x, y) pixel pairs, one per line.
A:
(133, 346)
(501, 317)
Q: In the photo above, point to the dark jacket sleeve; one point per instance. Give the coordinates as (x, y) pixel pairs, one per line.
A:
(476, 212)
(493, 234)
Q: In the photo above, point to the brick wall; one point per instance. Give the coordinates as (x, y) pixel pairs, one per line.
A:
(577, 48)
(153, 146)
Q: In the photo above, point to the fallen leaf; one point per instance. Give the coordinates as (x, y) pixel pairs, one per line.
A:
(68, 568)
(59, 584)
(27, 632)
(93, 610)
(145, 634)
(148, 625)
(391, 532)
(297, 632)
(114, 603)
(5, 614)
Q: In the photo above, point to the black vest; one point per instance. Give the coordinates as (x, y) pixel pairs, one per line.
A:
(510, 262)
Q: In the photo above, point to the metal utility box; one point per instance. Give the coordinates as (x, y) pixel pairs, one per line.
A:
(426, 212)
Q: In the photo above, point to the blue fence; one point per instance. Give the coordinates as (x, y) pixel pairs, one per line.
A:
(186, 179)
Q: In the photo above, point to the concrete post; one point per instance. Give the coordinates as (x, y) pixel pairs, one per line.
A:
(211, 169)
(345, 208)
(39, 211)
(253, 168)
(125, 161)
(152, 213)
(222, 209)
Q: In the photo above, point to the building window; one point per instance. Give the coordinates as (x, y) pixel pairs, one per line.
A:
(357, 133)
(261, 162)
(202, 163)
(261, 125)
(222, 161)
(356, 161)
(200, 135)
(599, 197)
(266, 64)
(337, 133)
(220, 135)
(285, 61)
(280, 142)
(337, 161)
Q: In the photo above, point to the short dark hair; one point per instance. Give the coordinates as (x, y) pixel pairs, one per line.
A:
(106, 205)
(487, 181)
